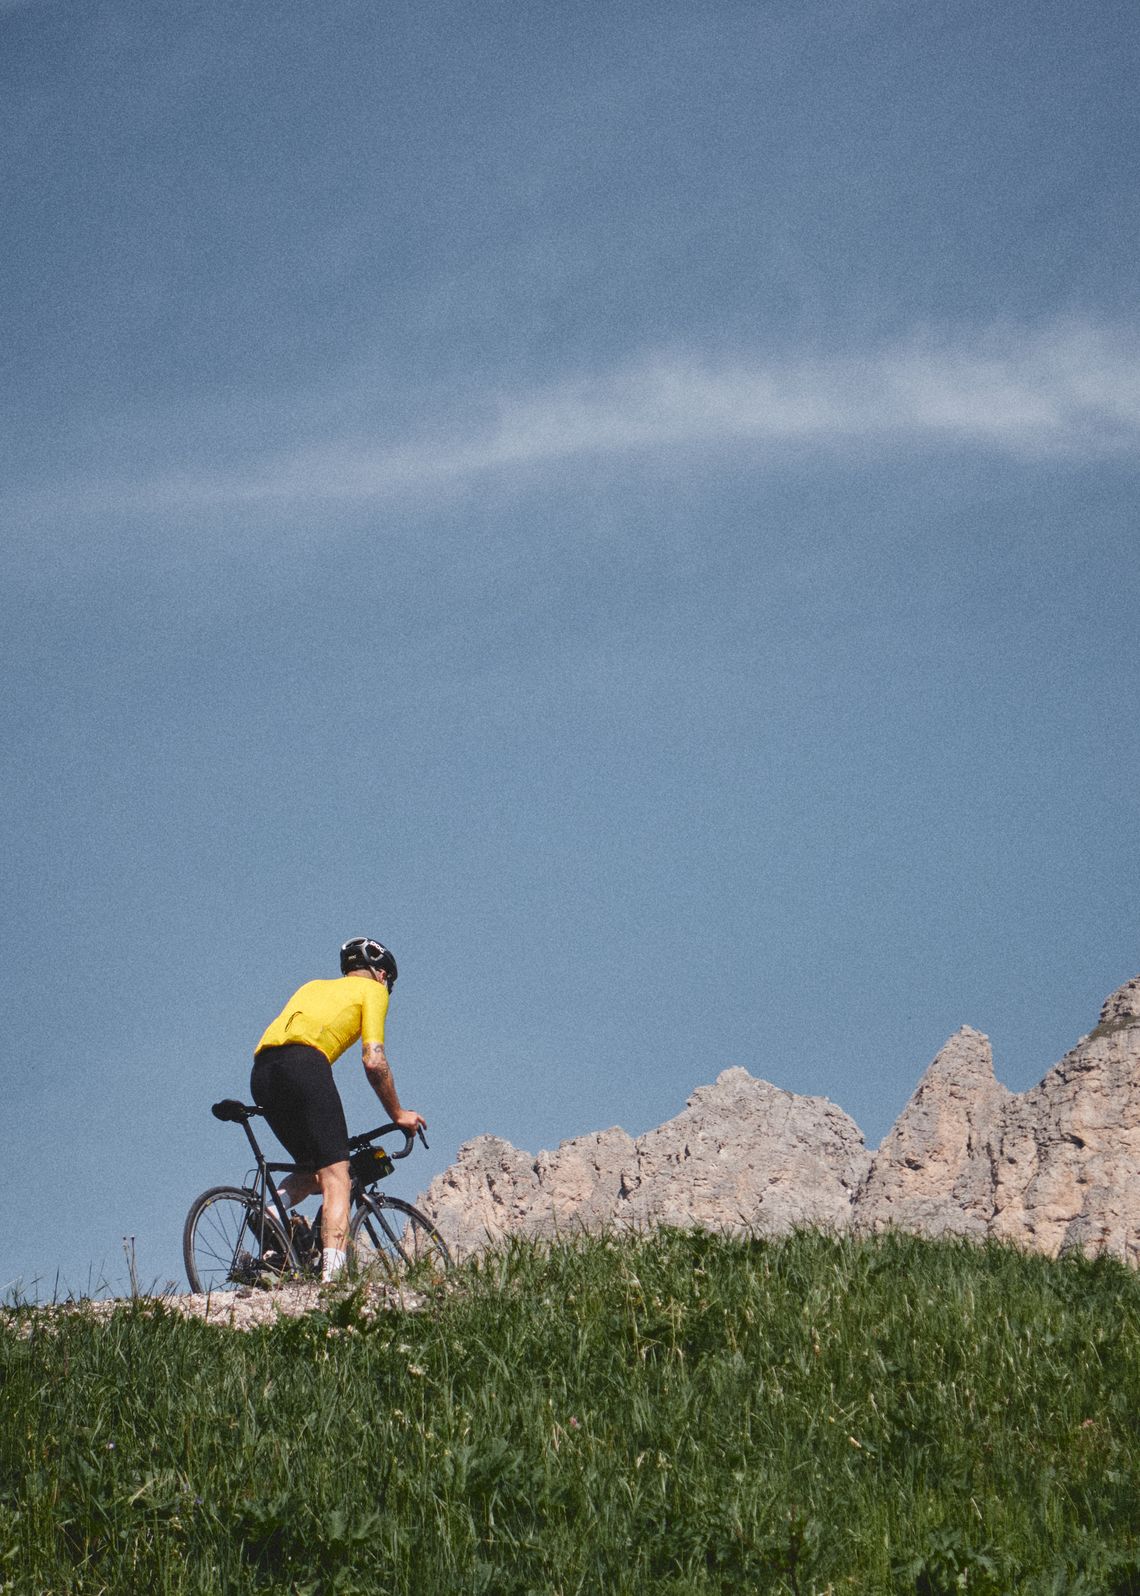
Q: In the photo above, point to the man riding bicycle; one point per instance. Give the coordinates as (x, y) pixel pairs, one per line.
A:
(292, 1082)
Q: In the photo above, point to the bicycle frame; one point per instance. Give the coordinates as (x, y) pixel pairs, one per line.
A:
(264, 1183)
(242, 1235)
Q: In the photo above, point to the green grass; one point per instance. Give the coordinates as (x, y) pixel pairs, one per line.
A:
(679, 1413)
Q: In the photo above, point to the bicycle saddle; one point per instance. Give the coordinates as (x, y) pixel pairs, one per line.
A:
(229, 1108)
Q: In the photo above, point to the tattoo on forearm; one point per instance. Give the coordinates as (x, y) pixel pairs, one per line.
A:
(380, 1074)
(375, 1059)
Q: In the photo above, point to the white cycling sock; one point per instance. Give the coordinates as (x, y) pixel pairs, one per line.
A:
(333, 1260)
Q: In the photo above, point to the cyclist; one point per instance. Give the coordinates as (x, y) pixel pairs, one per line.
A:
(292, 1081)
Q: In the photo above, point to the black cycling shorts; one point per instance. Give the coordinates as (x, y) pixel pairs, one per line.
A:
(294, 1086)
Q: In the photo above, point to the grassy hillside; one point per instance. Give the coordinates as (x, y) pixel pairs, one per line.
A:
(675, 1414)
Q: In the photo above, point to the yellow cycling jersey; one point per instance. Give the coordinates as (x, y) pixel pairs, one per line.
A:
(331, 1015)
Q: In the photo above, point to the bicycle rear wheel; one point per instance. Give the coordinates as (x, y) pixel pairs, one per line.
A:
(223, 1244)
(390, 1238)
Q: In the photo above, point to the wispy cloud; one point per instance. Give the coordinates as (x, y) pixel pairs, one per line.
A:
(1071, 390)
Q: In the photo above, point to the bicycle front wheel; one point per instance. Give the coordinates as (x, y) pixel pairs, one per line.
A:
(390, 1238)
(227, 1242)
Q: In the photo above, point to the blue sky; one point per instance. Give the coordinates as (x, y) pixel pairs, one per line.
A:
(634, 506)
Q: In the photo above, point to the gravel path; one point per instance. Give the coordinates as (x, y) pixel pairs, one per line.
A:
(245, 1309)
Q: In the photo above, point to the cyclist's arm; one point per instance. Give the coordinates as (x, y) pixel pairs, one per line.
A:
(379, 1073)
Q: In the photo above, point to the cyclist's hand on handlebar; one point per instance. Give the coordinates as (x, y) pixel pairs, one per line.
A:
(408, 1120)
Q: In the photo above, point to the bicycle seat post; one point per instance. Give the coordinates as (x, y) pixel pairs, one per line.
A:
(252, 1139)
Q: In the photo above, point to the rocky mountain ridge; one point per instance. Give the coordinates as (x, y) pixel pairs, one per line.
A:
(1053, 1168)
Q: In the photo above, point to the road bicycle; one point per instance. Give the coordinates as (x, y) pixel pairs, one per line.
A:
(242, 1236)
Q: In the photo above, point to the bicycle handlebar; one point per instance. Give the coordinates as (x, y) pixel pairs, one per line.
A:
(356, 1142)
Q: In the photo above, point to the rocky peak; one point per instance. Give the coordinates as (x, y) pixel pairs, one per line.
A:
(745, 1155)
(1123, 1007)
(932, 1169)
(1052, 1168)
(741, 1155)
(964, 1064)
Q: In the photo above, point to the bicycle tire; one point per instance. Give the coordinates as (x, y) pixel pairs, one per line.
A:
(220, 1242)
(410, 1248)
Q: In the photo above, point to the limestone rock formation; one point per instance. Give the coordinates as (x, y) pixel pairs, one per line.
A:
(493, 1190)
(933, 1172)
(742, 1155)
(1053, 1168)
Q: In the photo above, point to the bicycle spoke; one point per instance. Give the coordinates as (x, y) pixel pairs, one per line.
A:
(222, 1241)
(393, 1240)
(393, 1236)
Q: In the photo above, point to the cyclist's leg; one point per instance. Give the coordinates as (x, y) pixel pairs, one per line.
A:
(293, 1085)
(295, 1088)
(335, 1188)
(296, 1187)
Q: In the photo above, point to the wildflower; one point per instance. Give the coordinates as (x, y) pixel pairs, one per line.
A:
(415, 1370)
(575, 1424)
